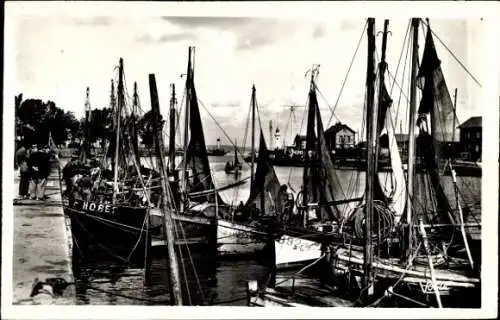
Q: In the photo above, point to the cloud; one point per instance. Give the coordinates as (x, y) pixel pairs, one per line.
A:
(210, 22)
(319, 31)
(346, 25)
(165, 38)
(255, 41)
(226, 104)
(93, 21)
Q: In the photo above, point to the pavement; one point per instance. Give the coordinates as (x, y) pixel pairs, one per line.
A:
(42, 249)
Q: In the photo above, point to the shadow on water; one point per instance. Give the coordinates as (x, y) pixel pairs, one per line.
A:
(209, 282)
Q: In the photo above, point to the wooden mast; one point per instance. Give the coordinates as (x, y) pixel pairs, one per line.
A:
(371, 118)
(253, 139)
(118, 121)
(112, 102)
(174, 279)
(186, 129)
(411, 133)
(133, 128)
(171, 144)
(87, 122)
(381, 72)
(270, 134)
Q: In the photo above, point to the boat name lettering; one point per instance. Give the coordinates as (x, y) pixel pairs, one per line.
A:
(428, 287)
(98, 207)
(298, 244)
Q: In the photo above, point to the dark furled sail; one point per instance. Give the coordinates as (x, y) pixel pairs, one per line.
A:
(199, 177)
(433, 205)
(266, 184)
(321, 183)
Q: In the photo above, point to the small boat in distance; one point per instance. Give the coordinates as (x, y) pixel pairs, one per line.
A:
(218, 151)
(234, 167)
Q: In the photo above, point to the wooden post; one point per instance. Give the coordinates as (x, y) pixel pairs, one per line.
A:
(166, 206)
(371, 119)
(431, 265)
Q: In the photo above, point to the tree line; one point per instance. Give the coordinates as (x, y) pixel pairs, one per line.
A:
(36, 119)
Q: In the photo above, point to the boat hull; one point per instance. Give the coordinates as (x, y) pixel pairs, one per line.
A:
(102, 232)
(295, 252)
(237, 239)
(451, 282)
(192, 230)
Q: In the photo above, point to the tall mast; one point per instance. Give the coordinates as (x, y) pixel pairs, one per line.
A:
(189, 83)
(270, 134)
(411, 130)
(381, 72)
(371, 118)
(87, 122)
(174, 279)
(171, 144)
(133, 134)
(112, 104)
(118, 121)
(253, 138)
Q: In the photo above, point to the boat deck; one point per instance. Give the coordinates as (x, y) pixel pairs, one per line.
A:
(299, 292)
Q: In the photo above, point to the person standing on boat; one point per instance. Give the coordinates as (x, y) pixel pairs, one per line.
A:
(24, 172)
(284, 204)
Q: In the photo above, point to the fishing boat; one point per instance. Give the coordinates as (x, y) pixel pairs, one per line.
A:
(218, 151)
(249, 229)
(108, 218)
(405, 245)
(320, 206)
(421, 255)
(197, 200)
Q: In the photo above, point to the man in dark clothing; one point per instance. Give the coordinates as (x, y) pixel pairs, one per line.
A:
(34, 164)
(24, 174)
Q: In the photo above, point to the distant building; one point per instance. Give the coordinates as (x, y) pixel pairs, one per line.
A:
(471, 138)
(401, 140)
(299, 142)
(340, 136)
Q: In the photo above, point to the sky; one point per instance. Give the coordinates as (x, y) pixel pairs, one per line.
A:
(58, 56)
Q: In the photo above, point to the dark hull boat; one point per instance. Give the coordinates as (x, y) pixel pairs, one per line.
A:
(109, 221)
(217, 152)
(106, 232)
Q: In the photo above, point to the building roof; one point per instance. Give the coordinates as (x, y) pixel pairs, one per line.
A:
(337, 127)
(472, 122)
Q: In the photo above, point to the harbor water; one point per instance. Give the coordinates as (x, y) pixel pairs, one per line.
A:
(210, 281)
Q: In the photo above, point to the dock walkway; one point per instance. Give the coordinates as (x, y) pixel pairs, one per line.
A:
(42, 247)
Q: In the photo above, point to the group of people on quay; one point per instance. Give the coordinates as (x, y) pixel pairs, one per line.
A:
(34, 164)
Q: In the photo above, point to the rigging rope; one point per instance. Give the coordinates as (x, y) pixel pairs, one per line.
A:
(452, 54)
(347, 74)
